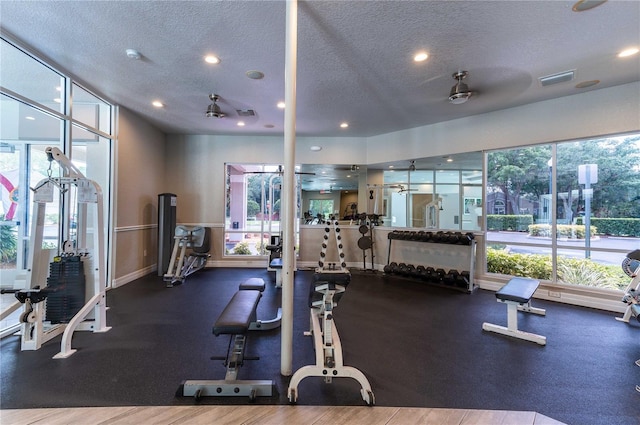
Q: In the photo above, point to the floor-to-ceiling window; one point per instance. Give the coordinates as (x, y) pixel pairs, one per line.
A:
(252, 210)
(565, 212)
(41, 107)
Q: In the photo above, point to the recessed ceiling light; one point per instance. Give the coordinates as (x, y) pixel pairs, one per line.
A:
(57, 100)
(390, 166)
(157, 104)
(585, 84)
(212, 59)
(344, 125)
(628, 52)
(240, 123)
(420, 57)
(255, 75)
(30, 118)
(449, 160)
(133, 54)
(316, 149)
(281, 105)
(583, 5)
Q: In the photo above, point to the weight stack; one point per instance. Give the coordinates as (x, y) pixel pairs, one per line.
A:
(67, 284)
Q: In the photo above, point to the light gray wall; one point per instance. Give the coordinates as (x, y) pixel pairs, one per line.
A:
(140, 176)
(590, 114)
(194, 164)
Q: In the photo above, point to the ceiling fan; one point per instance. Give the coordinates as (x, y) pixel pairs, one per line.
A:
(460, 92)
(412, 167)
(213, 110)
(400, 187)
(280, 171)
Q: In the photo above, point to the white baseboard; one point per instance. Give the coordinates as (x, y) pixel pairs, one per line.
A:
(565, 297)
(123, 280)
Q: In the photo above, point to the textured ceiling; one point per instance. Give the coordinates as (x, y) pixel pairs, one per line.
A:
(354, 57)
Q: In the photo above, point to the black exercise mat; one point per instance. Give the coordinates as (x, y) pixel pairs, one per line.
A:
(419, 346)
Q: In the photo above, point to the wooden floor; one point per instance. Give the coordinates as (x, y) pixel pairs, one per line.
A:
(275, 415)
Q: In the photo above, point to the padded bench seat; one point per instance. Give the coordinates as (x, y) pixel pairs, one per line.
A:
(238, 314)
(518, 289)
(252, 284)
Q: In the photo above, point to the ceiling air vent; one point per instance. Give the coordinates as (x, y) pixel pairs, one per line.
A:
(560, 77)
(246, 112)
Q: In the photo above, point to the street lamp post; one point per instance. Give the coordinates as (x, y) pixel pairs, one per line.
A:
(587, 174)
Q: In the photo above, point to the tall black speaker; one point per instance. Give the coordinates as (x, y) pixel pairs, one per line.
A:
(166, 228)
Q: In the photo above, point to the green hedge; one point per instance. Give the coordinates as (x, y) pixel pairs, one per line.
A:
(617, 226)
(569, 231)
(601, 226)
(518, 223)
(577, 271)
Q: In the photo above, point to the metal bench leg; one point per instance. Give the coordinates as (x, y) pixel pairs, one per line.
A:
(512, 323)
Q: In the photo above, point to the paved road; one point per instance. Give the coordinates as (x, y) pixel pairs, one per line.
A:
(606, 250)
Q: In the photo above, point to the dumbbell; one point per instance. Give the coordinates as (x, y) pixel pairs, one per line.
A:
(463, 279)
(411, 270)
(450, 278)
(439, 275)
(402, 267)
(420, 272)
(430, 274)
(393, 267)
(455, 237)
(468, 237)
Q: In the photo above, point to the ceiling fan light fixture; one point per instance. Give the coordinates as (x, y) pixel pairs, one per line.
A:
(213, 110)
(460, 92)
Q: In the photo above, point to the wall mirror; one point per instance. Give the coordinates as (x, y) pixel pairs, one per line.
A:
(443, 192)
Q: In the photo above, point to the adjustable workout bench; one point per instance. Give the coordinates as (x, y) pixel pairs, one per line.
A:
(275, 258)
(326, 290)
(517, 295)
(236, 320)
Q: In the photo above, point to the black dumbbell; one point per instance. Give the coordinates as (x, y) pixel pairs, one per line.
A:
(468, 238)
(450, 278)
(411, 270)
(394, 267)
(464, 279)
(439, 275)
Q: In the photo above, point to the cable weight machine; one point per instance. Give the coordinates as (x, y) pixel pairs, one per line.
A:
(73, 298)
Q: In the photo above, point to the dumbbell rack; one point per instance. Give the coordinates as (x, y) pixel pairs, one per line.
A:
(445, 259)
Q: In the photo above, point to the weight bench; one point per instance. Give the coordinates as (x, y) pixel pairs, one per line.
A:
(276, 265)
(257, 284)
(236, 321)
(326, 290)
(516, 294)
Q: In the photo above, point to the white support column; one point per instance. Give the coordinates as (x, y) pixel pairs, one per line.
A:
(289, 189)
